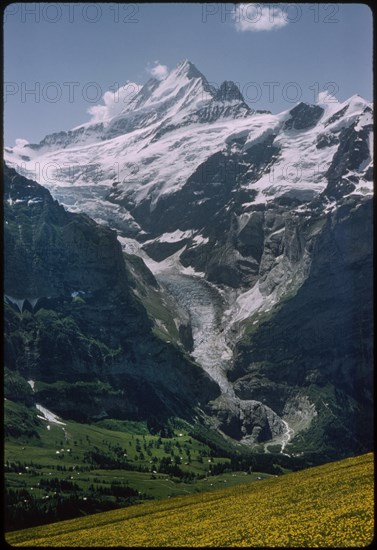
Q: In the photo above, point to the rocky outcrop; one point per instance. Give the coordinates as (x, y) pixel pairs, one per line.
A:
(303, 116)
(248, 421)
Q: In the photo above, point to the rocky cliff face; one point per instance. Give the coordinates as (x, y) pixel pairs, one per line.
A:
(51, 253)
(316, 343)
(71, 315)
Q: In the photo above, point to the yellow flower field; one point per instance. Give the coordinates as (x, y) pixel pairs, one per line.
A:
(329, 505)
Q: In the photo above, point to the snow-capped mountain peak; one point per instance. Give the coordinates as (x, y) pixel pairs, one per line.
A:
(184, 96)
(183, 86)
(175, 125)
(187, 69)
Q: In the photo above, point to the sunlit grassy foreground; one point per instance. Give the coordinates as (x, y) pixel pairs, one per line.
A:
(330, 505)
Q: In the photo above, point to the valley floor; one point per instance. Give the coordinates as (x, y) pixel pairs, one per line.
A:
(326, 506)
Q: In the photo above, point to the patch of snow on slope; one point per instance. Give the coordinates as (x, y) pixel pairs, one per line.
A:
(365, 118)
(170, 264)
(247, 304)
(199, 239)
(173, 237)
(131, 246)
(49, 416)
(261, 132)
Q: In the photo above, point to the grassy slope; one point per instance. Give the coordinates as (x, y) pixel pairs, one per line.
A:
(61, 454)
(329, 505)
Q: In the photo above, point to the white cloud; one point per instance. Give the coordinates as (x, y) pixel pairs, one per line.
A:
(18, 149)
(158, 71)
(325, 97)
(259, 17)
(21, 142)
(114, 102)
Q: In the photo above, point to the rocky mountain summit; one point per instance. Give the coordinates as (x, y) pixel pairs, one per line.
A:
(251, 231)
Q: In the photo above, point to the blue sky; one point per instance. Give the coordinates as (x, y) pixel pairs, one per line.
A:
(60, 59)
